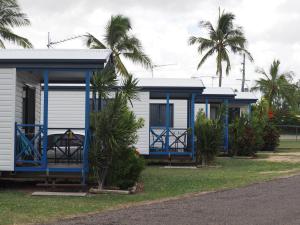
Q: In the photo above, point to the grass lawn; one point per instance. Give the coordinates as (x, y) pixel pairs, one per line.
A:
(18, 207)
(289, 144)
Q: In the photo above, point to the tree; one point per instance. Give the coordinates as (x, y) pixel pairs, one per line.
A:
(224, 37)
(276, 87)
(208, 137)
(11, 17)
(117, 37)
(114, 127)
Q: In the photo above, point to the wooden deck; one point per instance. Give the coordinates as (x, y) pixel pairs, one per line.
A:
(65, 165)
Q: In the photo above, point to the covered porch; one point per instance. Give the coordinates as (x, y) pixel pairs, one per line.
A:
(38, 147)
(167, 135)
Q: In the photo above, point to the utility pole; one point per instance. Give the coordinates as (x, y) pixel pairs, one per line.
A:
(243, 71)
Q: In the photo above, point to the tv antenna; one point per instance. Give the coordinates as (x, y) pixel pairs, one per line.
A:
(51, 43)
(160, 65)
(212, 78)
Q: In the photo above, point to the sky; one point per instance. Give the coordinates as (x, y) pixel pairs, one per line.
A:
(164, 26)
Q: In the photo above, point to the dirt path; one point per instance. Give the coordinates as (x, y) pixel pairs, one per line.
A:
(293, 157)
(270, 203)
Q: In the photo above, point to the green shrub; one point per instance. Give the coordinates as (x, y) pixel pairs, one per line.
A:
(208, 138)
(126, 168)
(242, 137)
(270, 137)
(114, 133)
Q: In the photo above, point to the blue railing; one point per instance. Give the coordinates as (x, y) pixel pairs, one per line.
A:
(65, 146)
(29, 144)
(169, 140)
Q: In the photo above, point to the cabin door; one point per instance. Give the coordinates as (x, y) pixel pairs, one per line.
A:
(29, 109)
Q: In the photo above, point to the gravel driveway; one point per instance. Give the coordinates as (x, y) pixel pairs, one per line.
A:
(270, 203)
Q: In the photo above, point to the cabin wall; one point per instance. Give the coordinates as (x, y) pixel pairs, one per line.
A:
(23, 79)
(7, 118)
(201, 107)
(66, 109)
(141, 109)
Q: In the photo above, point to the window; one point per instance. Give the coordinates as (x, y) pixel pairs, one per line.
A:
(233, 113)
(158, 115)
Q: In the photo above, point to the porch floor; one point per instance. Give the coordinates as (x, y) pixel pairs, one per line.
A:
(65, 165)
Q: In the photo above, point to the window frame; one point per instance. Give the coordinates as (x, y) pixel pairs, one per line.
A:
(162, 112)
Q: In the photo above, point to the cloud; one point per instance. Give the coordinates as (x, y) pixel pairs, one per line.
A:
(164, 27)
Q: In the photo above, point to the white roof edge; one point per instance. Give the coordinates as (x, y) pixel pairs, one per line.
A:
(170, 82)
(218, 91)
(102, 54)
(245, 96)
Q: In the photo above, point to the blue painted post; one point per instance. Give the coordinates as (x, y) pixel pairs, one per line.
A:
(45, 126)
(226, 126)
(87, 119)
(167, 123)
(95, 101)
(193, 125)
(206, 107)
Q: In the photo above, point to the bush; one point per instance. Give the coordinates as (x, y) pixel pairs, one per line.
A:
(270, 137)
(114, 135)
(208, 138)
(242, 137)
(126, 168)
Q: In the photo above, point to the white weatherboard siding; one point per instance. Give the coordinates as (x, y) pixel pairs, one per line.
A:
(201, 107)
(66, 109)
(7, 118)
(32, 81)
(142, 110)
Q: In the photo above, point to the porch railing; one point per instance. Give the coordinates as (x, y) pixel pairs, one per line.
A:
(28, 144)
(65, 146)
(169, 140)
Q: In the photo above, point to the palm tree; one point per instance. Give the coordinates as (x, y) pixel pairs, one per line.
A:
(11, 17)
(114, 126)
(118, 38)
(224, 37)
(276, 87)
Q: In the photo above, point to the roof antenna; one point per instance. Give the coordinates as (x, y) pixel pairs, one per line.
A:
(51, 43)
(161, 65)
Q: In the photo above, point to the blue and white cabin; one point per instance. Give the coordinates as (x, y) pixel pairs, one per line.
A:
(47, 131)
(26, 143)
(163, 134)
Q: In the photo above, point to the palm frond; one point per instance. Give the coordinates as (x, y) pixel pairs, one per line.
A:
(129, 88)
(225, 57)
(104, 80)
(116, 29)
(11, 15)
(121, 69)
(93, 42)
(225, 22)
(8, 35)
(204, 58)
(211, 30)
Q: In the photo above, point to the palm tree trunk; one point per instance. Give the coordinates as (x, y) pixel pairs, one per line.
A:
(220, 75)
(220, 69)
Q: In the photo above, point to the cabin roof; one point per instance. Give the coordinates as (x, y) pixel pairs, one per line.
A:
(245, 96)
(54, 58)
(170, 83)
(219, 91)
